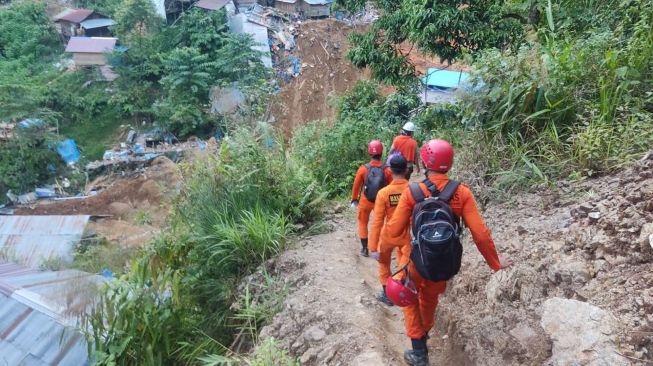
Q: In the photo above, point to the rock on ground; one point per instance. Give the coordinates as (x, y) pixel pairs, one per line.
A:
(582, 334)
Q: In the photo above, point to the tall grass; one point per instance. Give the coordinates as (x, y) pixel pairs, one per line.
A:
(234, 211)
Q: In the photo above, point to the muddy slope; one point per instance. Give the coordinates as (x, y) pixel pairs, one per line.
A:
(325, 74)
(579, 249)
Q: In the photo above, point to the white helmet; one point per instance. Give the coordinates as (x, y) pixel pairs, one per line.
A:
(409, 126)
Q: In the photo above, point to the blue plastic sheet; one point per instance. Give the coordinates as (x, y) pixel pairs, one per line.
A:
(444, 79)
(68, 151)
(31, 122)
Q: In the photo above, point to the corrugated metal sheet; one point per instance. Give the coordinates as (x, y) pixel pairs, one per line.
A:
(211, 4)
(318, 2)
(73, 15)
(239, 24)
(97, 23)
(160, 7)
(37, 317)
(32, 239)
(91, 44)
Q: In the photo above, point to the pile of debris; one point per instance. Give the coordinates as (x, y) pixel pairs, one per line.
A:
(140, 148)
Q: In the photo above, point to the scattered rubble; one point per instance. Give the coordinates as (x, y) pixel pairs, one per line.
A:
(315, 71)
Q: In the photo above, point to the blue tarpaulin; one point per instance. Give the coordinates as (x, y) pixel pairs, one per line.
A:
(32, 122)
(68, 151)
(444, 79)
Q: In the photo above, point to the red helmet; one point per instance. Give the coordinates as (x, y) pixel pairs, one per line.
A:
(401, 292)
(375, 147)
(437, 155)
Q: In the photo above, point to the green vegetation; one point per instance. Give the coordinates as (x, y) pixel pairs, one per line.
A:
(95, 255)
(164, 79)
(266, 354)
(234, 212)
(561, 89)
(333, 152)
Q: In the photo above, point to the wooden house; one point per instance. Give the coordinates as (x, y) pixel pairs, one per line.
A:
(90, 50)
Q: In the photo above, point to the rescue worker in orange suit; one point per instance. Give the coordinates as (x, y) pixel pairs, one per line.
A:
(370, 178)
(379, 245)
(407, 146)
(419, 318)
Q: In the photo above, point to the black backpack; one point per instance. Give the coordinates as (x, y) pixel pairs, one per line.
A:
(374, 181)
(436, 249)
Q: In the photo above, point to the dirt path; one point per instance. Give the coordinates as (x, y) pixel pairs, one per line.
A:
(331, 315)
(580, 249)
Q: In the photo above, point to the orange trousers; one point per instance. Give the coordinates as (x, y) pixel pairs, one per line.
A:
(385, 261)
(420, 318)
(365, 208)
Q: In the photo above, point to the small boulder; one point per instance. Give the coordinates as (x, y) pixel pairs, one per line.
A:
(314, 334)
(582, 334)
(646, 238)
(120, 209)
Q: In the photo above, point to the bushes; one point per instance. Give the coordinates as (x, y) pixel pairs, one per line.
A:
(333, 153)
(233, 213)
(27, 160)
(565, 107)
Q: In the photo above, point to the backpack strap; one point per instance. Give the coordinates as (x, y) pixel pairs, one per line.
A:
(449, 190)
(431, 187)
(416, 192)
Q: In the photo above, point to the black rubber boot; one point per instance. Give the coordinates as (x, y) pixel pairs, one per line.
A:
(418, 356)
(364, 251)
(383, 297)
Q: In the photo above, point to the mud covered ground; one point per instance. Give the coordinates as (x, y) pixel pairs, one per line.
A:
(581, 290)
(325, 74)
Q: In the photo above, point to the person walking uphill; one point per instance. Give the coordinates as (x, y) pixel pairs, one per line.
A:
(379, 245)
(370, 178)
(406, 145)
(435, 251)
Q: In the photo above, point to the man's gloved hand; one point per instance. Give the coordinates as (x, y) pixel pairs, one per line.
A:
(375, 256)
(354, 203)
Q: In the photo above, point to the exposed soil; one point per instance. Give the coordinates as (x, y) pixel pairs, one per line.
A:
(331, 316)
(423, 62)
(588, 241)
(325, 73)
(131, 209)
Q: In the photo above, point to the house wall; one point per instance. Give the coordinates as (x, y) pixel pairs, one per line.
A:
(246, 3)
(68, 29)
(287, 7)
(83, 59)
(315, 11)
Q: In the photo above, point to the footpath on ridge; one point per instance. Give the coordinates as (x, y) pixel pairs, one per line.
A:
(581, 289)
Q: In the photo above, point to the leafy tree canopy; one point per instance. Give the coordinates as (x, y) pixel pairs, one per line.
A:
(444, 28)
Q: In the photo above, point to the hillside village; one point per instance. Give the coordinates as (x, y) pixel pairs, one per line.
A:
(176, 179)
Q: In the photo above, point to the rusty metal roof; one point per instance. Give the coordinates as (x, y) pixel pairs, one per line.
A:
(30, 240)
(212, 4)
(91, 44)
(73, 15)
(38, 315)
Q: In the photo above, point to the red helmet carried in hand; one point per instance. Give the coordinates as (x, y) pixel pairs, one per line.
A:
(401, 292)
(437, 155)
(375, 147)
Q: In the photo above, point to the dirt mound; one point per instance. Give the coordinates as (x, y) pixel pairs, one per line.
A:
(145, 187)
(325, 73)
(135, 203)
(587, 242)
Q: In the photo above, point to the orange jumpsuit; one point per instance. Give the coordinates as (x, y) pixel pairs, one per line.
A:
(407, 146)
(365, 207)
(386, 201)
(419, 318)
